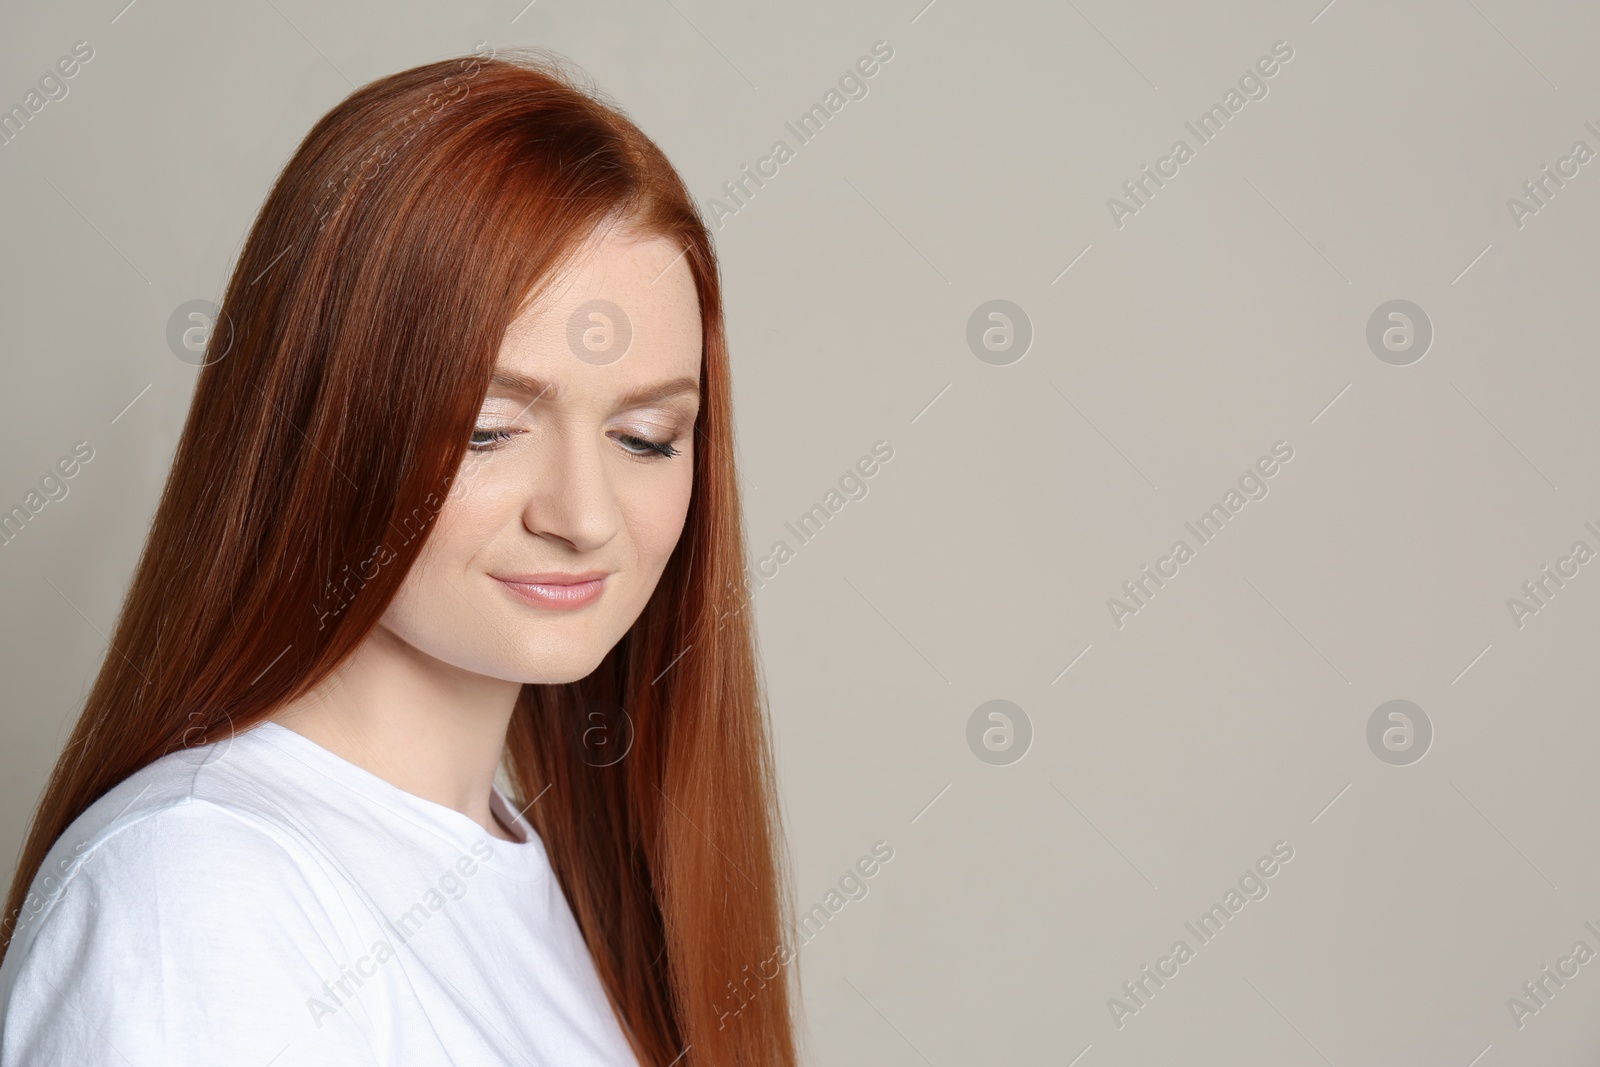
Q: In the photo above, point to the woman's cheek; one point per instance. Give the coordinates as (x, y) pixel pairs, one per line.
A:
(657, 523)
(482, 501)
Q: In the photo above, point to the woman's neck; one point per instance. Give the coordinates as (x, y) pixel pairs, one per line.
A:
(427, 727)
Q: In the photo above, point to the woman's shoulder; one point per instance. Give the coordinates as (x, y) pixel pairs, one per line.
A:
(182, 824)
(154, 853)
(177, 904)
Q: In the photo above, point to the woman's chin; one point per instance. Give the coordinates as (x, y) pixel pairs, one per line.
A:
(556, 669)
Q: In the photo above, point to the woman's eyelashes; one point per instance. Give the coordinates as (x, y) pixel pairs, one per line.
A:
(487, 439)
(639, 446)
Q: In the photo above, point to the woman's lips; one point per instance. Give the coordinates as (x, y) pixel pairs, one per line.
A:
(557, 593)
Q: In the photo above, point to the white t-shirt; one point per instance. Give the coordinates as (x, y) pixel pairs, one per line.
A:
(261, 901)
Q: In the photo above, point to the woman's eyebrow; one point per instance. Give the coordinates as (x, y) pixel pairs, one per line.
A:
(536, 388)
(647, 394)
(522, 384)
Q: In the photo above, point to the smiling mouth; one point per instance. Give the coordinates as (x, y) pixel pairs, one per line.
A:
(555, 591)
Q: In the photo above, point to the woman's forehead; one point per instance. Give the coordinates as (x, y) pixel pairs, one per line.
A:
(628, 304)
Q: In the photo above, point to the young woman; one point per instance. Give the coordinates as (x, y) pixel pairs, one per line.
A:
(455, 497)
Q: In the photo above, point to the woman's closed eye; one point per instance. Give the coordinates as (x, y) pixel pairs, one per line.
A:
(641, 446)
(483, 440)
(486, 439)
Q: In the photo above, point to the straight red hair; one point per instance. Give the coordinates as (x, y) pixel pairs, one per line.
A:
(358, 333)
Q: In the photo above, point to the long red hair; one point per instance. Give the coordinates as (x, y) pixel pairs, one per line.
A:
(358, 333)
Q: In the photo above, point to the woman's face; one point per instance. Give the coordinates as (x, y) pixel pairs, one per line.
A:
(581, 466)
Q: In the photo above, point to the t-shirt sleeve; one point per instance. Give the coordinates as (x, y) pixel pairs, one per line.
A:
(192, 937)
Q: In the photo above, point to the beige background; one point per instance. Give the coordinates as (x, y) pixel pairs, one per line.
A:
(1228, 314)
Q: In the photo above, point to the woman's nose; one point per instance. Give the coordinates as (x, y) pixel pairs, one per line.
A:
(570, 495)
